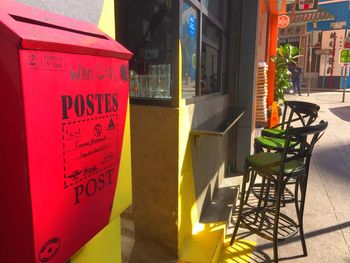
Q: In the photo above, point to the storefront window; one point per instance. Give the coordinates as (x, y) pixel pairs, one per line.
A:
(315, 62)
(315, 43)
(215, 7)
(188, 36)
(148, 31)
(210, 58)
(204, 63)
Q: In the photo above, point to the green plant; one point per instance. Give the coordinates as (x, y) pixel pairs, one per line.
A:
(286, 55)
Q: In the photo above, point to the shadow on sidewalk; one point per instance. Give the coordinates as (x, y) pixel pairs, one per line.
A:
(342, 112)
(258, 256)
(243, 252)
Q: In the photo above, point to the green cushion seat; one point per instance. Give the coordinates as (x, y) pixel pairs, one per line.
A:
(269, 163)
(276, 132)
(272, 143)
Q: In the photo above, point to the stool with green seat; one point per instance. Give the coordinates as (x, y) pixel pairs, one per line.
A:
(276, 169)
(279, 130)
(300, 113)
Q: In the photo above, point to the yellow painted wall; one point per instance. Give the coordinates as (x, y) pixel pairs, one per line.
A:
(197, 242)
(106, 245)
(107, 19)
(187, 211)
(186, 195)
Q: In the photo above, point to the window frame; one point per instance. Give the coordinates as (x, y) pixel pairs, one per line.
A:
(172, 102)
(176, 79)
(203, 11)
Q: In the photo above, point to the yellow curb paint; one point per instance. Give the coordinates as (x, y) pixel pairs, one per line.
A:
(204, 247)
(240, 252)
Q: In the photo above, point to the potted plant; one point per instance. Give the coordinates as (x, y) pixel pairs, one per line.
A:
(286, 55)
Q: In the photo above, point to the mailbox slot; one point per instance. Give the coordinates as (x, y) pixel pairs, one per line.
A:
(39, 23)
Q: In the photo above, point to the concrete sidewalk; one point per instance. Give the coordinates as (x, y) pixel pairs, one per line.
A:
(327, 210)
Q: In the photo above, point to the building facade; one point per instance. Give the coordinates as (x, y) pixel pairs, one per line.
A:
(320, 34)
(191, 118)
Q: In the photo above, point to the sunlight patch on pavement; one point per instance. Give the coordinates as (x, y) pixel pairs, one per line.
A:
(240, 252)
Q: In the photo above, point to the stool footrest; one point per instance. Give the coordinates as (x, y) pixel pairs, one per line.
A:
(260, 221)
(287, 195)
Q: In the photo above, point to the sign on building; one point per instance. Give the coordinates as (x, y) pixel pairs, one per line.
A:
(338, 25)
(347, 42)
(344, 57)
(283, 21)
(333, 39)
(306, 5)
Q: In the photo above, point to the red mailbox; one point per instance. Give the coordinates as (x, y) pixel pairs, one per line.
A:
(64, 93)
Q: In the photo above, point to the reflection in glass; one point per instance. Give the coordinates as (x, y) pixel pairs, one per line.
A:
(209, 82)
(155, 84)
(188, 37)
(211, 32)
(147, 32)
(210, 58)
(214, 7)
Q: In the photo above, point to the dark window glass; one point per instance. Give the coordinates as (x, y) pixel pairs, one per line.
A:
(204, 51)
(315, 62)
(210, 79)
(215, 8)
(210, 58)
(188, 37)
(146, 30)
(211, 33)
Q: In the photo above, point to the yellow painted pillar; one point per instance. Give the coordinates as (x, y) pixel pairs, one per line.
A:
(104, 247)
(107, 18)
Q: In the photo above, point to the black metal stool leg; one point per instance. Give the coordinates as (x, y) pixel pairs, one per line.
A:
(296, 196)
(240, 210)
(261, 197)
(278, 196)
(257, 149)
(251, 184)
(265, 202)
(303, 187)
